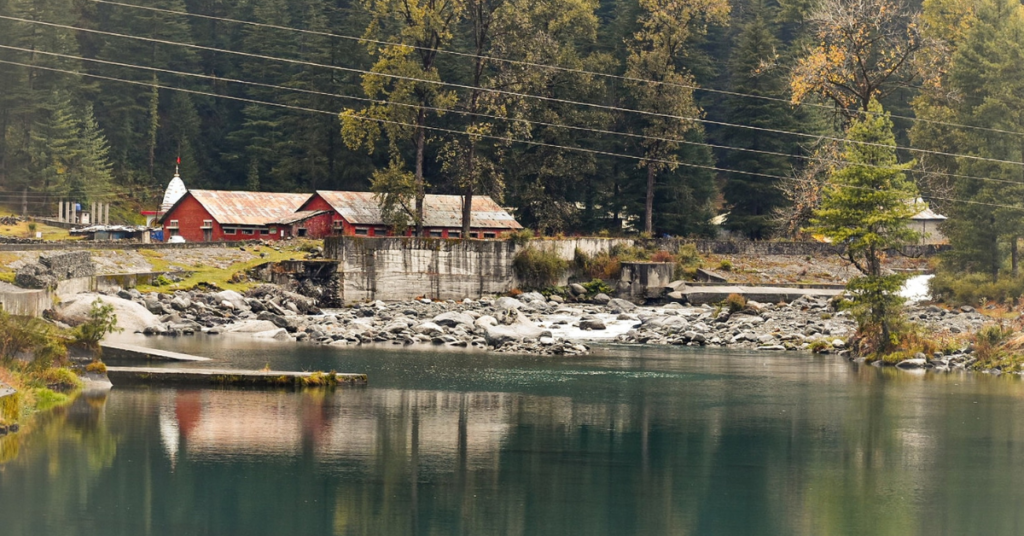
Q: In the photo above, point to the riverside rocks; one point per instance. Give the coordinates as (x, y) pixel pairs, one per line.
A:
(527, 324)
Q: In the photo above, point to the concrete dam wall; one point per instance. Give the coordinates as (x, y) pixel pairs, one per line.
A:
(402, 268)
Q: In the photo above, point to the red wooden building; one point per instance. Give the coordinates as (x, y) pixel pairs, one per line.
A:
(357, 213)
(216, 215)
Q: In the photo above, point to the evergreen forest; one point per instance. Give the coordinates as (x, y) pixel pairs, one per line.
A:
(580, 115)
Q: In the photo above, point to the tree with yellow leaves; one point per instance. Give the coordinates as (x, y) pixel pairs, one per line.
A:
(864, 51)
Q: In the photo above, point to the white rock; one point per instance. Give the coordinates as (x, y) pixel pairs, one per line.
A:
(232, 297)
(429, 328)
(279, 334)
(131, 316)
(249, 326)
(505, 303)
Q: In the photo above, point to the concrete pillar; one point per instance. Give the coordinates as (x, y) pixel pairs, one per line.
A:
(106, 213)
(93, 216)
(73, 212)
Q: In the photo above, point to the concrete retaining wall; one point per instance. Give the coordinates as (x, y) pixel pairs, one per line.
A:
(25, 302)
(401, 268)
(645, 279)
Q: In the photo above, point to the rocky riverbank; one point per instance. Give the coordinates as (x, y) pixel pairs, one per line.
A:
(530, 323)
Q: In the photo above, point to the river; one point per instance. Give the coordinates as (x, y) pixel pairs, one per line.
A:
(651, 441)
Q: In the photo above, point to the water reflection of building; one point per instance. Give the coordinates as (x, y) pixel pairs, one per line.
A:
(348, 424)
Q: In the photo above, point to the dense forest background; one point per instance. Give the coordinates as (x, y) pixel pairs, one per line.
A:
(93, 113)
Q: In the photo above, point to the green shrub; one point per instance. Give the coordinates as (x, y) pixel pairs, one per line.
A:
(538, 268)
(520, 237)
(161, 281)
(308, 246)
(596, 286)
(725, 265)
(688, 260)
(971, 289)
(688, 255)
(33, 336)
(57, 379)
(102, 321)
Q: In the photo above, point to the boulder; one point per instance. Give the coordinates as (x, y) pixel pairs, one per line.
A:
(622, 305)
(577, 289)
(505, 303)
(429, 328)
(592, 324)
(485, 321)
(520, 329)
(279, 334)
(131, 316)
(531, 297)
(452, 319)
(601, 298)
(235, 299)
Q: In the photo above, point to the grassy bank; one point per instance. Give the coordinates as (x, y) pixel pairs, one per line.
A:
(226, 276)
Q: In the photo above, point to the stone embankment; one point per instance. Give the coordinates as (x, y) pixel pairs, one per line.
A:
(530, 324)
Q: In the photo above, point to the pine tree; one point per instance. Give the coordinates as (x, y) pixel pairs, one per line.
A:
(867, 207)
(982, 72)
(753, 200)
(656, 54)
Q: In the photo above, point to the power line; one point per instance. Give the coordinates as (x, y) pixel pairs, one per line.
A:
(538, 65)
(490, 116)
(499, 138)
(512, 93)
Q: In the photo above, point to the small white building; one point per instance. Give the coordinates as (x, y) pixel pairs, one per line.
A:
(926, 224)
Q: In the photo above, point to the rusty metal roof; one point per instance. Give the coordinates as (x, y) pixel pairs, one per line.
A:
(248, 208)
(361, 208)
(296, 217)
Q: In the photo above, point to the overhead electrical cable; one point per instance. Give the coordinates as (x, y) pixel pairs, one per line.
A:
(490, 116)
(476, 135)
(512, 93)
(536, 65)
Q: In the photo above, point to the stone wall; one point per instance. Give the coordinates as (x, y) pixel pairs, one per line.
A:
(794, 249)
(401, 268)
(69, 264)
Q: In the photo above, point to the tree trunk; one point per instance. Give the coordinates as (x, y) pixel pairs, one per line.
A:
(421, 139)
(649, 205)
(995, 249)
(467, 197)
(1014, 257)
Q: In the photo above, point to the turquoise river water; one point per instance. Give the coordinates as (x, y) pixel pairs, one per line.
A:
(648, 441)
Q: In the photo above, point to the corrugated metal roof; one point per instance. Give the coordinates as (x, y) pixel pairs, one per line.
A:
(298, 216)
(361, 208)
(928, 214)
(248, 208)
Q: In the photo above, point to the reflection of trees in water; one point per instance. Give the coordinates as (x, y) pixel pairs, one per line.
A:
(800, 454)
(63, 456)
